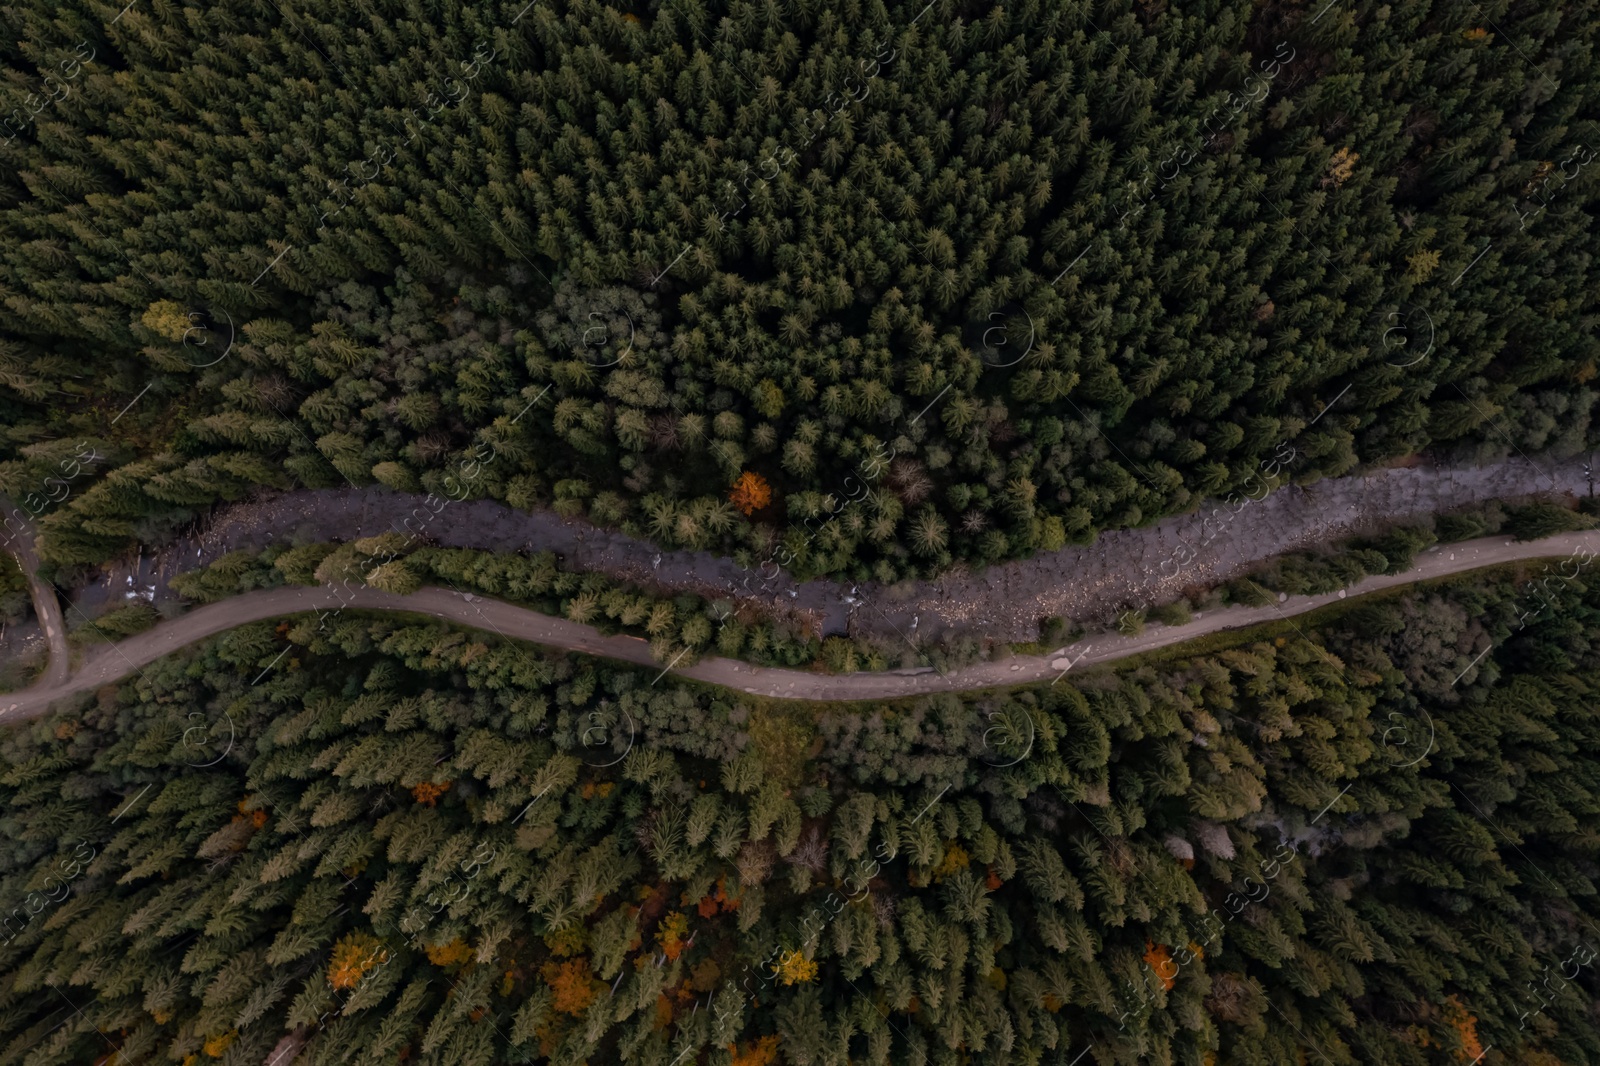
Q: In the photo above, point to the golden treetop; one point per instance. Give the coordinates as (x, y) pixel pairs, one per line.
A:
(751, 492)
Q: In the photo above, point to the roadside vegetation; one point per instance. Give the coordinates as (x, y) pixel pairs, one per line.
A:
(406, 841)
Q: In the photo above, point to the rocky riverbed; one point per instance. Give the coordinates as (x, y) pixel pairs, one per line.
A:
(1125, 568)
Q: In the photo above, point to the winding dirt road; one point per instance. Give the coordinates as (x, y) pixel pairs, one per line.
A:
(115, 662)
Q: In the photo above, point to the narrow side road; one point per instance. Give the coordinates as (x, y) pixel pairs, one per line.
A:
(17, 535)
(125, 658)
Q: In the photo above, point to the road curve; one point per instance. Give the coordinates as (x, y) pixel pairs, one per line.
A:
(117, 661)
(17, 534)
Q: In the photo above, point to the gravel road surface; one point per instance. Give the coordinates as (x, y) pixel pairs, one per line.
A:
(114, 662)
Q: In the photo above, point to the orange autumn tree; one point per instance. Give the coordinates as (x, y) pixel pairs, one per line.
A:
(663, 1015)
(1465, 1024)
(352, 957)
(449, 954)
(428, 792)
(751, 492)
(573, 983)
(1161, 962)
(710, 904)
(256, 816)
(760, 1053)
(216, 1045)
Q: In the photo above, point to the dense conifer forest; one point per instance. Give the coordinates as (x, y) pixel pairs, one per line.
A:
(874, 291)
(374, 841)
(899, 285)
